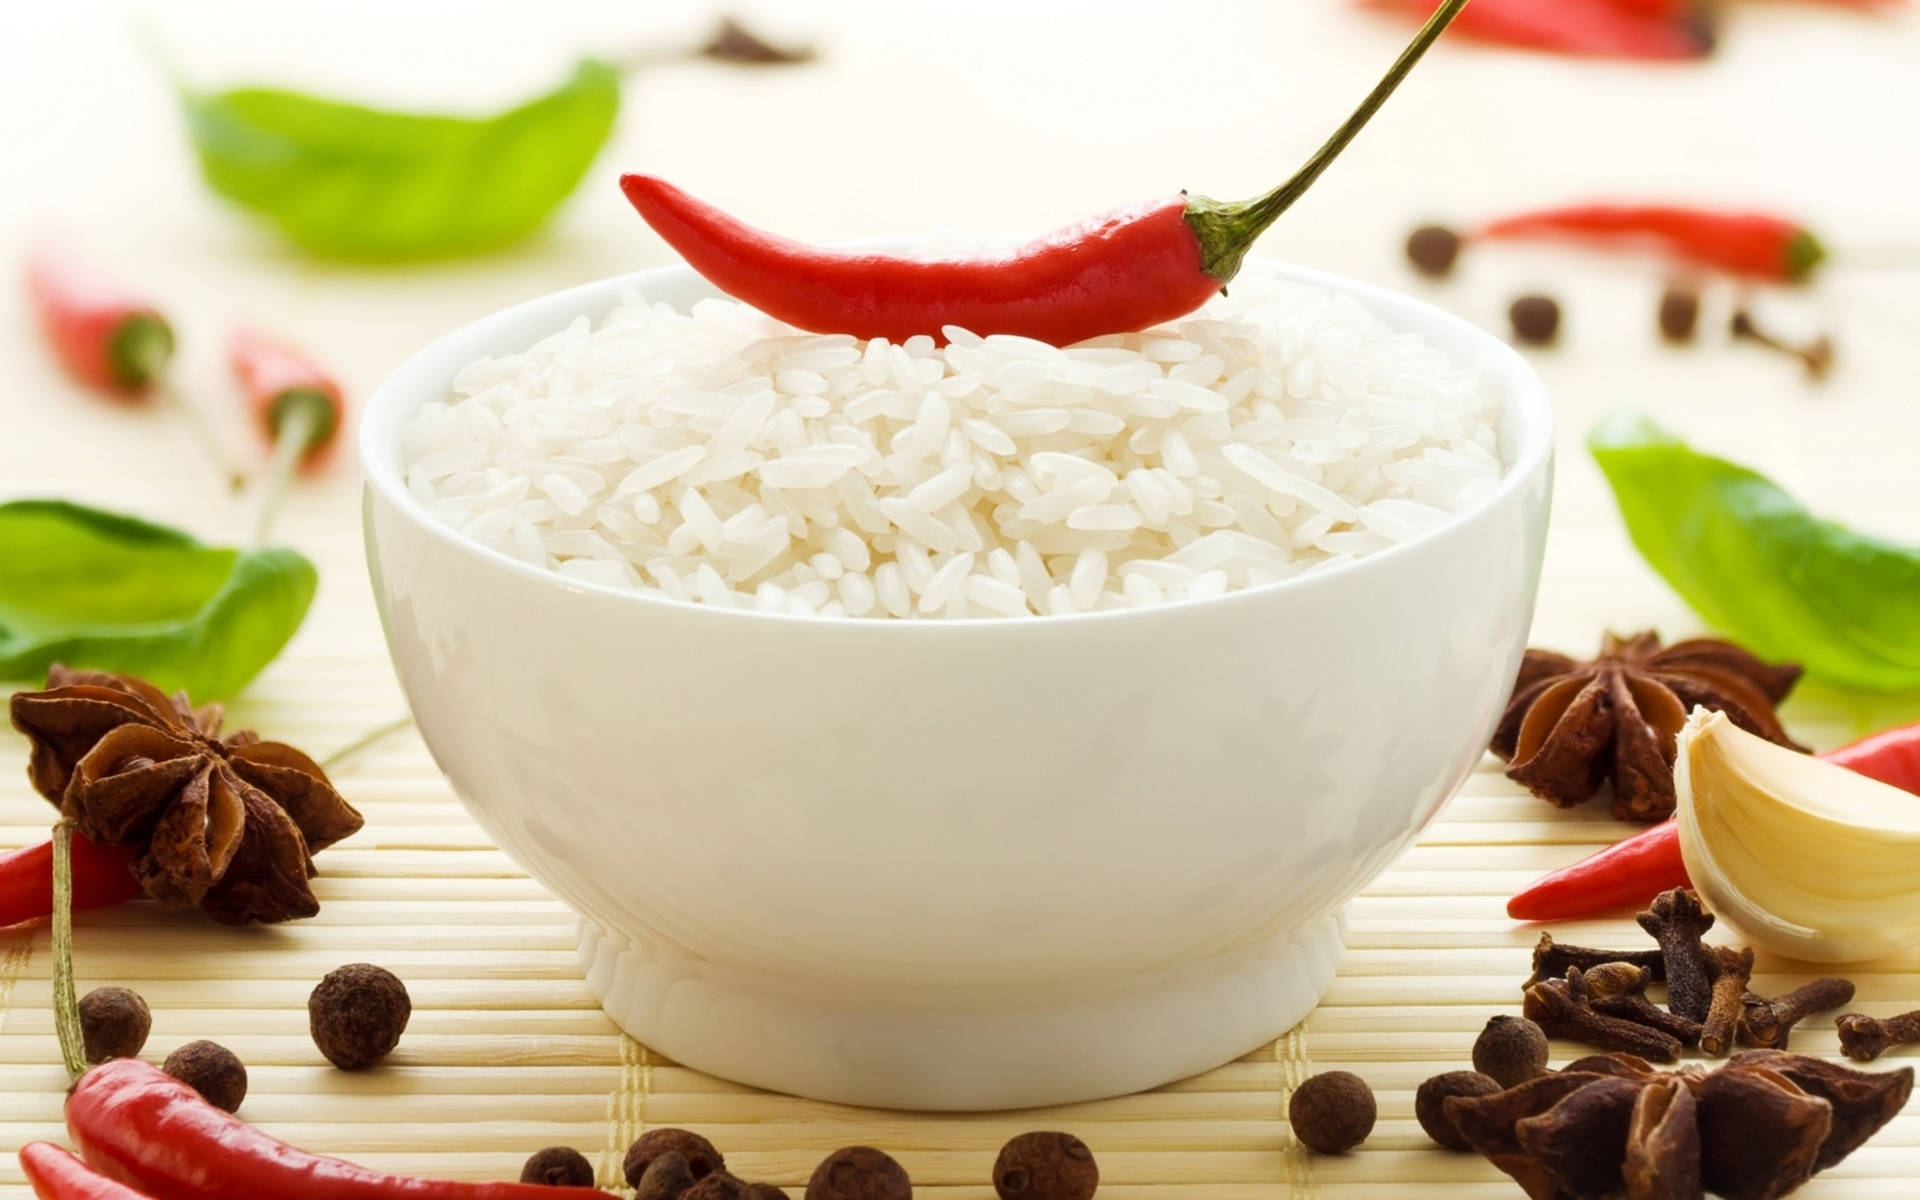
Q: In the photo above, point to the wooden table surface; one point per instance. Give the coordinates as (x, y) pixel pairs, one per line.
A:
(989, 116)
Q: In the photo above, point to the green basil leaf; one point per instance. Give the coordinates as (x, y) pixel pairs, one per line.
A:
(347, 181)
(1756, 564)
(114, 593)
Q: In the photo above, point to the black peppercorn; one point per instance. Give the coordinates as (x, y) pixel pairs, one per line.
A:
(1433, 249)
(558, 1166)
(701, 1159)
(1510, 1051)
(1430, 1103)
(1333, 1112)
(859, 1173)
(212, 1070)
(114, 1023)
(1679, 313)
(1536, 319)
(357, 1014)
(720, 1186)
(1045, 1166)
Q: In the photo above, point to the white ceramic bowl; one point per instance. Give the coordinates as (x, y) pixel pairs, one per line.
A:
(969, 864)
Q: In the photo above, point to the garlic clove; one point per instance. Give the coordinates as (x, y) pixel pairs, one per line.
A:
(1806, 859)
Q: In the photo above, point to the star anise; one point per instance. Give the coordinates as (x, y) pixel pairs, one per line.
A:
(1612, 1126)
(228, 824)
(1570, 726)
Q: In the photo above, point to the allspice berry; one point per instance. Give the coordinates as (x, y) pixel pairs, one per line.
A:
(1045, 1166)
(1333, 1112)
(1430, 1104)
(1432, 249)
(357, 1014)
(1510, 1051)
(558, 1166)
(114, 1023)
(667, 1177)
(720, 1186)
(1535, 319)
(1679, 313)
(701, 1158)
(212, 1070)
(859, 1173)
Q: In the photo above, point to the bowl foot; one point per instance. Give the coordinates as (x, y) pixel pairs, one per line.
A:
(939, 1051)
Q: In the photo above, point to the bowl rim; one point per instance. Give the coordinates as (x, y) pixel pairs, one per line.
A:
(399, 393)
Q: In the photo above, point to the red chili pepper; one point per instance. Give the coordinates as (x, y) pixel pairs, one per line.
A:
(102, 876)
(1125, 271)
(144, 1128)
(108, 339)
(1753, 244)
(57, 1175)
(1596, 28)
(297, 407)
(1636, 869)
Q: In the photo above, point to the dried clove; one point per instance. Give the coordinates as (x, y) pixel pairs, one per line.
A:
(1560, 1007)
(1619, 990)
(1767, 1023)
(1677, 920)
(1864, 1038)
(1816, 356)
(1552, 960)
(1731, 969)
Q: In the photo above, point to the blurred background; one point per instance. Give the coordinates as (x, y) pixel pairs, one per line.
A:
(991, 116)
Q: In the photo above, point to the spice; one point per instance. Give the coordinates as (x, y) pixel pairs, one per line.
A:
(667, 1177)
(1552, 960)
(1760, 1134)
(1561, 1008)
(1679, 313)
(859, 1173)
(1768, 1023)
(1629, 872)
(159, 1137)
(1891, 756)
(1619, 990)
(1122, 272)
(1045, 1166)
(1332, 1112)
(1535, 319)
(1510, 1050)
(733, 42)
(1570, 726)
(720, 1186)
(1662, 1157)
(1677, 921)
(226, 823)
(54, 1174)
(1429, 1104)
(1807, 859)
(1816, 356)
(1755, 245)
(211, 1070)
(1862, 1101)
(1433, 249)
(357, 1014)
(767, 1191)
(1864, 1038)
(114, 1023)
(702, 1159)
(296, 406)
(102, 876)
(1586, 28)
(558, 1166)
(1731, 970)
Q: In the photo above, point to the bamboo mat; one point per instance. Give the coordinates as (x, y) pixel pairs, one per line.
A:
(507, 1051)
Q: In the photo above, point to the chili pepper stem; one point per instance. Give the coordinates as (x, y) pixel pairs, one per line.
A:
(66, 1007)
(365, 742)
(290, 442)
(203, 434)
(1227, 229)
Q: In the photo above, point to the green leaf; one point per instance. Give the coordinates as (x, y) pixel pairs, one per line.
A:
(114, 593)
(1756, 564)
(347, 181)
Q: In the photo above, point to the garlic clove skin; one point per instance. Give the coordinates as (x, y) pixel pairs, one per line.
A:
(1807, 859)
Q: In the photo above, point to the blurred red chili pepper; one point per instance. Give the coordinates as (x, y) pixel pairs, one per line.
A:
(136, 1124)
(1598, 28)
(108, 339)
(1754, 244)
(1638, 868)
(295, 404)
(55, 1174)
(102, 876)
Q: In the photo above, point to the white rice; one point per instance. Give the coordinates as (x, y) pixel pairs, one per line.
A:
(723, 458)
